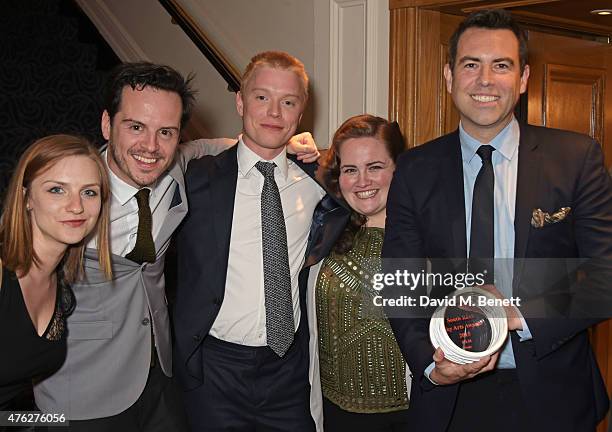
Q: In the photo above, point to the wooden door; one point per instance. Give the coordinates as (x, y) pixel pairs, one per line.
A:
(570, 86)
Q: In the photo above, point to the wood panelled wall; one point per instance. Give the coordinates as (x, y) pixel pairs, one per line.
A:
(402, 70)
(418, 99)
(569, 86)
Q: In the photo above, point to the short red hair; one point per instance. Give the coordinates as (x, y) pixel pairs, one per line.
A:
(276, 60)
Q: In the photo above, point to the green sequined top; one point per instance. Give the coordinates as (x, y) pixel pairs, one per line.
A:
(362, 368)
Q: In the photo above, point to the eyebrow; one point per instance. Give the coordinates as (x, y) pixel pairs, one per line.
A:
(64, 183)
(368, 164)
(129, 120)
(504, 59)
(269, 91)
(468, 58)
(477, 59)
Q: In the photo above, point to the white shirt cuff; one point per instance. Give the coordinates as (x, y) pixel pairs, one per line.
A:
(428, 370)
(524, 334)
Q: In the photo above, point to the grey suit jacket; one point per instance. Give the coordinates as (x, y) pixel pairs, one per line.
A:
(109, 333)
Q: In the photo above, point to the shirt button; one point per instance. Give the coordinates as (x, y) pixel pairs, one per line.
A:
(145, 321)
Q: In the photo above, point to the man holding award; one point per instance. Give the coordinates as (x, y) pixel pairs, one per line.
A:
(532, 199)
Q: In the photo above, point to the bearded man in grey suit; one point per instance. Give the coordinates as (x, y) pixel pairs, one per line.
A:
(117, 374)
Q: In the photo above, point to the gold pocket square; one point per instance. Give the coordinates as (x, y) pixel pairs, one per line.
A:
(540, 218)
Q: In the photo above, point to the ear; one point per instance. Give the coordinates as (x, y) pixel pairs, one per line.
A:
(448, 76)
(26, 199)
(524, 79)
(239, 103)
(105, 125)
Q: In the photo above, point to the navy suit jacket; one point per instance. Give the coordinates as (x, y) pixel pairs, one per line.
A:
(560, 381)
(203, 242)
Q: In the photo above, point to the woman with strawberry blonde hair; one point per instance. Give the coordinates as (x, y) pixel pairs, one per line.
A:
(58, 197)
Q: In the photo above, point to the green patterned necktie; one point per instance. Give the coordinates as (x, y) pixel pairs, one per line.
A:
(144, 250)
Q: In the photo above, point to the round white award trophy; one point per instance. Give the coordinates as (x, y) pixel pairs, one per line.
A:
(469, 326)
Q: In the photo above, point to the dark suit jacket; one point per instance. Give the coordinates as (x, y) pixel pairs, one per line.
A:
(559, 378)
(203, 243)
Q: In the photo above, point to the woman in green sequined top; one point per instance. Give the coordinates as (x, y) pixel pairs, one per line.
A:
(363, 373)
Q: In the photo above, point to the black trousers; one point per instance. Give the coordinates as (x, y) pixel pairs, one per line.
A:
(490, 402)
(337, 419)
(158, 409)
(251, 389)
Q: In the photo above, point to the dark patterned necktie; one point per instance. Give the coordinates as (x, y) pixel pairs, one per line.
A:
(280, 327)
(481, 233)
(144, 249)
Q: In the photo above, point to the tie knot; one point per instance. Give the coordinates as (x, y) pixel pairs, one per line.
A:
(266, 168)
(142, 197)
(485, 151)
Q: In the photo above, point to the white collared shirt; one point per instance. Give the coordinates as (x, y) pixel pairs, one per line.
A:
(124, 210)
(242, 317)
(505, 168)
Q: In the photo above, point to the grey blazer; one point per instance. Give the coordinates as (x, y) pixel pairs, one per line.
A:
(109, 333)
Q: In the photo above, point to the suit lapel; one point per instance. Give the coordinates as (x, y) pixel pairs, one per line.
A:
(451, 170)
(223, 193)
(528, 182)
(328, 222)
(178, 208)
(330, 217)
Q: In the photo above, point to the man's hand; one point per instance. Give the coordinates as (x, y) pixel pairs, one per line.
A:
(304, 147)
(446, 372)
(513, 315)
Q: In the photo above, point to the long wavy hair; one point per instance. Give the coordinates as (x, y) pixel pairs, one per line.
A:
(16, 244)
(360, 126)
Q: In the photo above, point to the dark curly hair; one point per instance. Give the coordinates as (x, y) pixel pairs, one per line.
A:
(492, 19)
(360, 126)
(144, 74)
